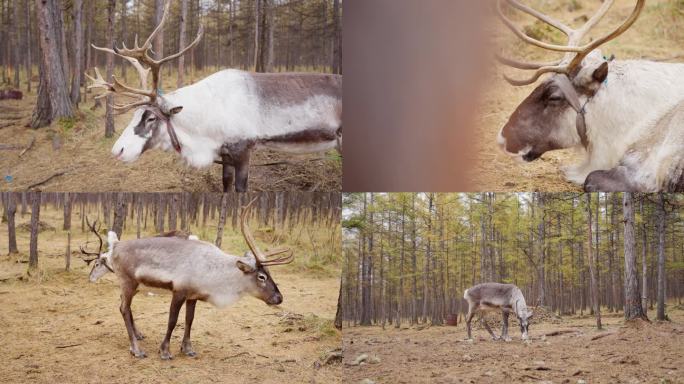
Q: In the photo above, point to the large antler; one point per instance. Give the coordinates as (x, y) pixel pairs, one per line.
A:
(96, 231)
(139, 57)
(261, 257)
(575, 52)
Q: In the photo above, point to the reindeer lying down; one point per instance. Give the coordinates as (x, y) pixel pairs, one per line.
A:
(193, 270)
(623, 115)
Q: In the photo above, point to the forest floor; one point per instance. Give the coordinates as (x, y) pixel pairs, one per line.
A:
(657, 35)
(75, 156)
(57, 327)
(639, 352)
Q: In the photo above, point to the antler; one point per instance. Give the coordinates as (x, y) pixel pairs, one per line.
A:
(137, 56)
(260, 257)
(575, 52)
(96, 232)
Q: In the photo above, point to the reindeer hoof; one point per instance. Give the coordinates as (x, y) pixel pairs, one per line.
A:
(507, 339)
(139, 336)
(165, 355)
(190, 353)
(139, 354)
(469, 341)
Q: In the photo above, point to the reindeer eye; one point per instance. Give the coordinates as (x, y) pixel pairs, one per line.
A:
(555, 98)
(261, 277)
(151, 119)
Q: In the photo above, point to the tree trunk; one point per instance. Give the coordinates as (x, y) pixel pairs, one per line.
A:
(109, 114)
(661, 258)
(17, 43)
(77, 9)
(29, 64)
(11, 210)
(644, 269)
(592, 265)
(119, 214)
(159, 40)
(222, 220)
(67, 212)
(632, 305)
(53, 79)
(35, 227)
(337, 39)
(181, 60)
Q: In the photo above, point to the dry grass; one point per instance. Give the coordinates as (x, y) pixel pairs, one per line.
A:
(657, 35)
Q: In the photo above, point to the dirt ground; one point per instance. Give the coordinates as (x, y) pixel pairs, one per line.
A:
(75, 157)
(657, 35)
(59, 328)
(636, 353)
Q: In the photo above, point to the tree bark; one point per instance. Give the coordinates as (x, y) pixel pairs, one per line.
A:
(632, 305)
(119, 214)
(222, 220)
(35, 228)
(660, 314)
(109, 114)
(66, 225)
(77, 9)
(337, 39)
(11, 210)
(181, 60)
(592, 272)
(159, 40)
(29, 63)
(53, 79)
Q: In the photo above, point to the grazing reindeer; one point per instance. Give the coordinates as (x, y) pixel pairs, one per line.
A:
(193, 270)
(227, 115)
(606, 107)
(495, 296)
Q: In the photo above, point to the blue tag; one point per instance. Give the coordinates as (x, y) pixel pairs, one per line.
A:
(9, 178)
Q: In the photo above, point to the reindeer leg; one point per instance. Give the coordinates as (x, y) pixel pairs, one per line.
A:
(469, 318)
(186, 346)
(227, 173)
(484, 322)
(504, 330)
(242, 170)
(176, 304)
(127, 292)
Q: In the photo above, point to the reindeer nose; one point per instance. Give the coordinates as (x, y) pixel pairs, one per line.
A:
(118, 156)
(276, 299)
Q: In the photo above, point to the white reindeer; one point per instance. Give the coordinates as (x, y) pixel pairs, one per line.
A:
(607, 108)
(226, 115)
(193, 270)
(493, 297)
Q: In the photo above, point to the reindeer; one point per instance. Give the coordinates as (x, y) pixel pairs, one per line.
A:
(605, 107)
(102, 260)
(193, 270)
(495, 296)
(226, 115)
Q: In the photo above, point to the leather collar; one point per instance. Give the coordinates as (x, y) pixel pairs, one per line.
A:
(571, 95)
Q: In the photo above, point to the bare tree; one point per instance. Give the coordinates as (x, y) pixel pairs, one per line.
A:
(35, 228)
(10, 211)
(53, 99)
(77, 14)
(109, 117)
(633, 308)
(222, 220)
(592, 266)
(181, 59)
(660, 315)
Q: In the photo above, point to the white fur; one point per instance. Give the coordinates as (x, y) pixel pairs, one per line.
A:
(636, 92)
(225, 108)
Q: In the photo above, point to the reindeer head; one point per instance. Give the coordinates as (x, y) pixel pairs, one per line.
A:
(255, 263)
(552, 116)
(100, 267)
(151, 125)
(524, 315)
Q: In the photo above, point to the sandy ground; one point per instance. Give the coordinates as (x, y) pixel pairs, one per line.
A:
(657, 35)
(637, 353)
(59, 328)
(82, 153)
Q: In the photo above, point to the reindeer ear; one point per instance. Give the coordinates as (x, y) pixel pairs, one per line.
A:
(601, 73)
(244, 267)
(175, 110)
